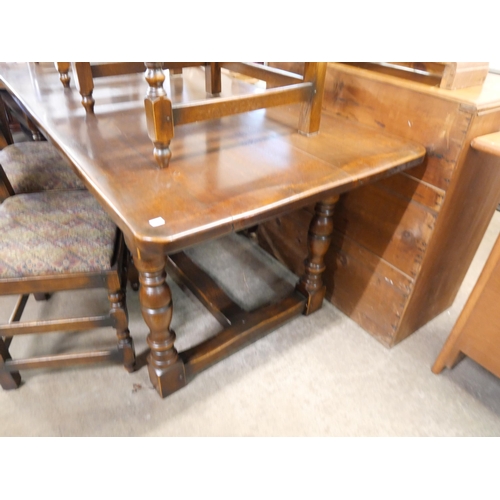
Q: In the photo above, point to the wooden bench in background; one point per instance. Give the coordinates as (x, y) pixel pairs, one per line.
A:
(402, 246)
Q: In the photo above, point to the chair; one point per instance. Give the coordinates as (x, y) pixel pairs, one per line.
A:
(86, 72)
(30, 167)
(12, 116)
(282, 88)
(56, 241)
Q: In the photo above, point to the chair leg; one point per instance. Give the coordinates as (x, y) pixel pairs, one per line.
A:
(35, 133)
(8, 380)
(125, 342)
(40, 296)
(132, 273)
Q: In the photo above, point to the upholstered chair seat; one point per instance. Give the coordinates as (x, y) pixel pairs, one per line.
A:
(54, 232)
(57, 241)
(37, 166)
(31, 167)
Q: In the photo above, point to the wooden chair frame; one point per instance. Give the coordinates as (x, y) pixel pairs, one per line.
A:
(41, 287)
(282, 88)
(113, 69)
(5, 186)
(85, 73)
(114, 280)
(4, 121)
(9, 105)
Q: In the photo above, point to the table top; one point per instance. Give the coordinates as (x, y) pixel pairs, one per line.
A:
(224, 175)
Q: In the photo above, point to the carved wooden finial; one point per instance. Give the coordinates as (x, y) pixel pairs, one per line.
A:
(159, 116)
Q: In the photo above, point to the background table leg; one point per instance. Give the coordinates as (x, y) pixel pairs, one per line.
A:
(319, 238)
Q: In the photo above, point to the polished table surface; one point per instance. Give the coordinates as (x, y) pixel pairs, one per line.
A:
(224, 175)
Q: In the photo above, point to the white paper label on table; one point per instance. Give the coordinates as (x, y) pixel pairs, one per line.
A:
(159, 221)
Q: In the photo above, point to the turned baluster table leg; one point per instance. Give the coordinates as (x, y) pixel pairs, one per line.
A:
(319, 238)
(166, 369)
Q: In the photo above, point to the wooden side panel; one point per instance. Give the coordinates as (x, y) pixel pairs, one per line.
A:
(366, 288)
(480, 336)
(388, 225)
(440, 125)
(411, 188)
(476, 331)
(286, 238)
(481, 341)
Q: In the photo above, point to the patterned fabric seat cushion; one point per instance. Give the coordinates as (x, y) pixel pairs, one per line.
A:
(54, 232)
(37, 166)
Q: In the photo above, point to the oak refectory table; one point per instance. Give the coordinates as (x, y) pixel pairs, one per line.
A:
(224, 175)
